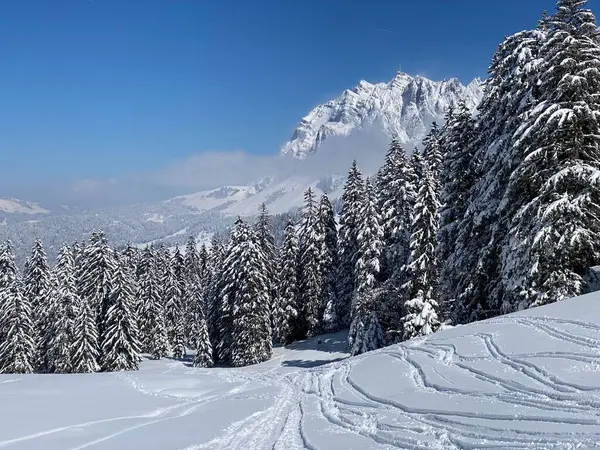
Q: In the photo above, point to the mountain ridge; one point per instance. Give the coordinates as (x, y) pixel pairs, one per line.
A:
(406, 106)
(358, 124)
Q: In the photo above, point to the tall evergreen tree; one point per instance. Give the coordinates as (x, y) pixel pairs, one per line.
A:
(59, 332)
(85, 344)
(310, 270)
(17, 346)
(395, 196)
(395, 185)
(251, 331)
(204, 351)
(352, 199)
(244, 328)
(152, 320)
(264, 233)
(458, 177)
(97, 265)
(365, 332)
(329, 265)
(510, 91)
(38, 290)
(556, 183)
(120, 339)
(175, 298)
(422, 270)
(288, 327)
(193, 291)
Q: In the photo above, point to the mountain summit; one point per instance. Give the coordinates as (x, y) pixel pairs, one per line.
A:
(404, 107)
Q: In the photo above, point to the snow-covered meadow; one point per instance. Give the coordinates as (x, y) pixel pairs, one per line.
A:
(528, 380)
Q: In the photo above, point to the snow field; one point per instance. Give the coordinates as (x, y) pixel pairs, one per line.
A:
(527, 380)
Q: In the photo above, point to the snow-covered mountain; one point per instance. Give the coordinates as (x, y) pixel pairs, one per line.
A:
(356, 125)
(16, 206)
(405, 107)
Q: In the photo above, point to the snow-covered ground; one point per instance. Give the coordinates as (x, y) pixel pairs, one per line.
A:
(529, 380)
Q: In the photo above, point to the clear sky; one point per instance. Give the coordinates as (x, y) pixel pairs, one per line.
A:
(97, 89)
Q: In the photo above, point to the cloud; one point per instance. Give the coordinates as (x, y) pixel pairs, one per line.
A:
(212, 169)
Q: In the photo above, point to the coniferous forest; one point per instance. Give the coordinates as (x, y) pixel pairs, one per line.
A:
(498, 210)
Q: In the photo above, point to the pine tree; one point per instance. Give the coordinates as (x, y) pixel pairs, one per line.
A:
(204, 351)
(97, 265)
(329, 265)
(85, 343)
(264, 234)
(395, 196)
(216, 259)
(365, 332)
(17, 346)
(38, 290)
(120, 339)
(175, 296)
(289, 327)
(310, 273)
(152, 320)
(352, 199)
(422, 270)
(251, 331)
(193, 292)
(8, 275)
(59, 332)
(509, 93)
(556, 185)
(458, 178)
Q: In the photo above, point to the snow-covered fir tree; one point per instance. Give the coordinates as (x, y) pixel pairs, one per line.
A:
(85, 344)
(174, 302)
(245, 329)
(395, 196)
(310, 271)
(352, 201)
(38, 290)
(226, 287)
(329, 266)
(153, 330)
(213, 300)
(97, 265)
(422, 271)
(17, 346)
(204, 351)
(193, 291)
(365, 331)
(509, 93)
(264, 233)
(59, 332)
(556, 183)
(288, 326)
(120, 337)
(457, 179)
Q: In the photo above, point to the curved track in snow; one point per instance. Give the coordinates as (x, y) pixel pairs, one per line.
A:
(530, 380)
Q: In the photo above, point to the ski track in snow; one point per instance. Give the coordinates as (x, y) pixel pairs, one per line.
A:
(495, 386)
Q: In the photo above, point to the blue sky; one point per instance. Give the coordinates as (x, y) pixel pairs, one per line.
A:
(100, 89)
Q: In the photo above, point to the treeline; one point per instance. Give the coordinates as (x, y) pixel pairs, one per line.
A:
(496, 212)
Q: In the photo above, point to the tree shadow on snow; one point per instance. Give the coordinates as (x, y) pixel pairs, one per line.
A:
(307, 364)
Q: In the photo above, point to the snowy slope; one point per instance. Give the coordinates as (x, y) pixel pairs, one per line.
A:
(16, 206)
(278, 196)
(528, 380)
(405, 107)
